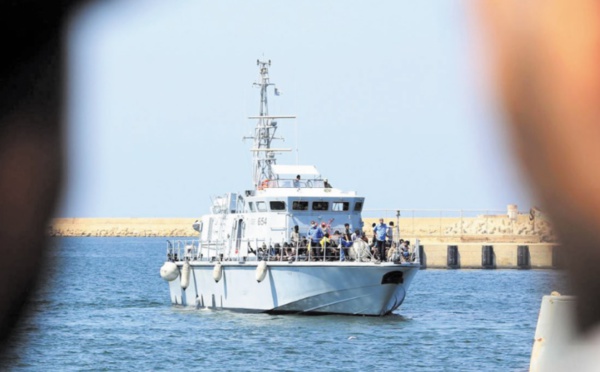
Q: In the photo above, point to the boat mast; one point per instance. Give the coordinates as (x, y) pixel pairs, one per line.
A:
(264, 133)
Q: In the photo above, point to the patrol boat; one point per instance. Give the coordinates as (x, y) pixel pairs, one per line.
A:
(245, 258)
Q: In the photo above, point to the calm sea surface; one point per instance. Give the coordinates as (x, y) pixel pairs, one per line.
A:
(106, 308)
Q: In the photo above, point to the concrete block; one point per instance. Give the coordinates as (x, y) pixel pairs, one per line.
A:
(435, 255)
(541, 255)
(469, 256)
(506, 256)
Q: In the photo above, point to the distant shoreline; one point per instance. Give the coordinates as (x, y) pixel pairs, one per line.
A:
(428, 229)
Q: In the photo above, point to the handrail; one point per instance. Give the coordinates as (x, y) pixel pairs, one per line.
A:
(219, 250)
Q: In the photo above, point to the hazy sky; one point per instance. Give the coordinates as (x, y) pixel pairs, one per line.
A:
(388, 97)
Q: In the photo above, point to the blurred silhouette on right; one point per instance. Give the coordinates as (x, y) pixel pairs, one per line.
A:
(545, 64)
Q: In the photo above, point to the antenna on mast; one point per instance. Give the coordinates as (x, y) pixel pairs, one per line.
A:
(263, 155)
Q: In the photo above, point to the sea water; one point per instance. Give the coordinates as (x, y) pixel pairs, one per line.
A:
(105, 307)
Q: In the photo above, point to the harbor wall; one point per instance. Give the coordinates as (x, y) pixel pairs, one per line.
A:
(494, 229)
(122, 227)
(499, 256)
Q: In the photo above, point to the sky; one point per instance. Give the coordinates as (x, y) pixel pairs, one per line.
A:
(389, 98)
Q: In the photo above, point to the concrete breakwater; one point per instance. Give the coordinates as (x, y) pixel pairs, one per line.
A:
(486, 228)
(482, 228)
(126, 227)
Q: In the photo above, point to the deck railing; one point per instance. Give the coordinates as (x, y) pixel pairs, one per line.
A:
(195, 250)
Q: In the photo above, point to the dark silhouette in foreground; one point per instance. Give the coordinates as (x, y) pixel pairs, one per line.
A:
(31, 114)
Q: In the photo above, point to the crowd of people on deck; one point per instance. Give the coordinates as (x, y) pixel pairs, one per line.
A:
(319, 244)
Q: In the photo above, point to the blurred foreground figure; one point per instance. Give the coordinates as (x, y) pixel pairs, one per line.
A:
(31, 115)
(546, 61)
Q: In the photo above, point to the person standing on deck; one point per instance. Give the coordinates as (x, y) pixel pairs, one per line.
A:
(390, 232)
(315, 234)
(356, 235)
(347, 232)
(380, 231)
(295, 238)
(325, 228)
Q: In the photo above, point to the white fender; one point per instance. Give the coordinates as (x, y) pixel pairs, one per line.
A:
(261, 271)
(185, 275)
(169, 271)
(217, 272)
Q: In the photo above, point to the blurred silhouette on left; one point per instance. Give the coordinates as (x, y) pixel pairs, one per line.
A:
(32, 76)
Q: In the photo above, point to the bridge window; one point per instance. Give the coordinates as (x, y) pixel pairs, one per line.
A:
(261, 206)
(300, 205)
(340, 206)
(277, 205)
(320, 206)
(358, 206)
(251, 206)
